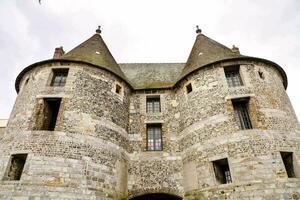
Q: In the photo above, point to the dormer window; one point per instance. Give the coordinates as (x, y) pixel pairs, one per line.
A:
(59, 77)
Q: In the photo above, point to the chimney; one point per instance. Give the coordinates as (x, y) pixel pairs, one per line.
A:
(235, 49)
(59, 52)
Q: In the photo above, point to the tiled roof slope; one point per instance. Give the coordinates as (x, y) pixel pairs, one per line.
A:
(95, 51)
(205, 51)
(152, 75)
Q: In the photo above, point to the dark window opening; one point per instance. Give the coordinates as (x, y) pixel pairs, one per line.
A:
(153, 104)
(154, 137)
(241, 114)
(287, 158)
(118, 89)
(47, 114)
(15, 167)
(222, 171)
(59, 77)
(189, 88)
(157, 196)
(261, 74)
(233, 76)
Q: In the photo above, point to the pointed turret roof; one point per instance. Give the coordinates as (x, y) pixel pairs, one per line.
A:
(206, 51)
(95, 51)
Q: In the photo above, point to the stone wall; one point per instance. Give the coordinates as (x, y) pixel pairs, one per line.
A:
(98, 149)
(86, 154)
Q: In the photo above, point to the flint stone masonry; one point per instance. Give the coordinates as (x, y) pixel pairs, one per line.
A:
(98, 149)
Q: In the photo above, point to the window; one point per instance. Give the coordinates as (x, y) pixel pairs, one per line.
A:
(241, 114)
(233, 76)
(47, 114)
(15, 167)
(59, 77)
(154, 138)
(118, 89)
(153, 104)
(287, 158)
(189, 88)
(222, 171)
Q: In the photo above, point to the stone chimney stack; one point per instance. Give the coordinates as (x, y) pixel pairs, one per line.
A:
(235, 49)
(59, 52)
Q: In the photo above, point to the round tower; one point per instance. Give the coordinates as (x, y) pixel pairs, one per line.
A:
(238, 133)
(67, 134)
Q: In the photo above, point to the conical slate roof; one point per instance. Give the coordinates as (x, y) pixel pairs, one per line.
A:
(95, 51)
(206, 51)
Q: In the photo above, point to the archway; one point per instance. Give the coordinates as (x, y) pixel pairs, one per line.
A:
(157, 196)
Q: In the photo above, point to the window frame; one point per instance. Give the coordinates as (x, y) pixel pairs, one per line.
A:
(189, 88)
(233, 76)
(241, 113)
(218, 165)
(153, 104)
(61, 74)
(154, 126)
(20, 156)
(290, 170)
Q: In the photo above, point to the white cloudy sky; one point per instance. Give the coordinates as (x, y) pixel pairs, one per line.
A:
(147, 31)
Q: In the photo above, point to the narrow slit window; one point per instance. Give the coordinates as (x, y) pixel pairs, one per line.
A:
(15, 167)
(118, 89)
(287, 158)
(59, 77)
(241, 114)
(222, 171)
(233, 76)
(154, 137)
(153, 104)
(189, 88)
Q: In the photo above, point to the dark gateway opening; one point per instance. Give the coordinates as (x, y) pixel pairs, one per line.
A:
(157, 196)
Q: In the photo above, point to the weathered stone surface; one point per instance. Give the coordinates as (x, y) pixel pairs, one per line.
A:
(98, 149)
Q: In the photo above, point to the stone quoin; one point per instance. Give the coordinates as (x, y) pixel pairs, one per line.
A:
(219, 126)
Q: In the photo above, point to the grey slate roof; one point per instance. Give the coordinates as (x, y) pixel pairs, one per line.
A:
(152, 75)
(95, 51)
(206, 51)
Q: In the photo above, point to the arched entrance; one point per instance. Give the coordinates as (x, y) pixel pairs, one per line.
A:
(157, 196)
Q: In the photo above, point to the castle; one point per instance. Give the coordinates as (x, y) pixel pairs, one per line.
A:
(219, 126)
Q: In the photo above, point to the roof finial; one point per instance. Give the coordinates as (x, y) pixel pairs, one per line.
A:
(198, 30)
(98, 30)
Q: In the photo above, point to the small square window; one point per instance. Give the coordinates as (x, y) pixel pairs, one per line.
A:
(241, 114)
(59, 77)
(153, 104)
(287, 158)
(15, 167)
(233, 76)
(189, 88)
(154, 137)
(118, 89)
(222, 171)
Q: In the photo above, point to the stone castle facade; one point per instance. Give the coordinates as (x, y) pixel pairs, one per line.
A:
(219, 126)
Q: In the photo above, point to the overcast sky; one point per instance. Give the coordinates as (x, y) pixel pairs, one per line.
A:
(147, 31)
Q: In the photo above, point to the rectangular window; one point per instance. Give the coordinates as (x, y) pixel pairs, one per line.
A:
(154, 137)
(15, 167)
(118, 89)
(287, 158)
(59, 77)
(46, 114)
(241, 114)
(233, 76)
(189, 88)
(153, 104)
(222, 171)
